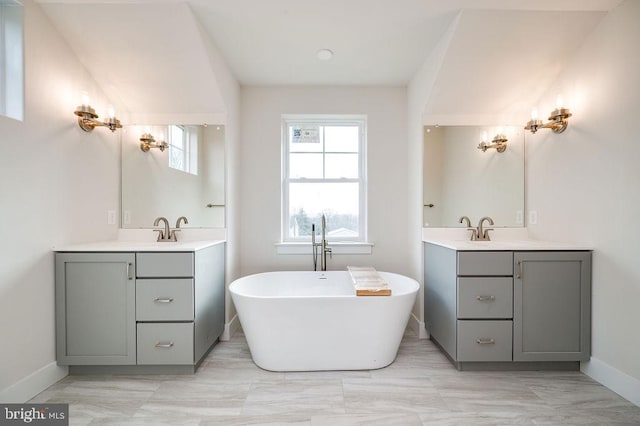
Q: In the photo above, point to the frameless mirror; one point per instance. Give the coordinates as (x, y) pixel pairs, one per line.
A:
(184, 178)
(460, 179)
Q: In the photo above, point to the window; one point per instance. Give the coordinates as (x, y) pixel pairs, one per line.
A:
(11, 60)
(183, 148)
(324, 173)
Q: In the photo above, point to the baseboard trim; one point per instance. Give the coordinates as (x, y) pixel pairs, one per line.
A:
(417, 327)
(621, 383)
(33, 384)
(230, 329)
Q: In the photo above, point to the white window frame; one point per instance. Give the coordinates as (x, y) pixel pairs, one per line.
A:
(12, 59)
(325, 120)
(189, 151)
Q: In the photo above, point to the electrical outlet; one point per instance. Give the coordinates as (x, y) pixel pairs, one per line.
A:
(519, 217)
(111, 217)
(533, 217)
(126, 217)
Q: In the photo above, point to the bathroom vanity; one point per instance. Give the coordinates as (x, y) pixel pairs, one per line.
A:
(138, 307)
(510, 304)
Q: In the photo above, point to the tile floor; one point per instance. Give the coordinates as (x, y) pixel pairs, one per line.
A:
(420, 388)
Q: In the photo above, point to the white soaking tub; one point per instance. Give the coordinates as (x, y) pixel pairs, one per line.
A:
(313, 321)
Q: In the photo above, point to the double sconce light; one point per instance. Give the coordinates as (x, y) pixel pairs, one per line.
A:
(499, 142)
(88, 119)
(147, 141)
(558, 122)
(557, 119)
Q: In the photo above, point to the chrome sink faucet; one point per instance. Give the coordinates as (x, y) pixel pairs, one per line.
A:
(483, 234)
(479, 233)
(166, 234)
(323, 245)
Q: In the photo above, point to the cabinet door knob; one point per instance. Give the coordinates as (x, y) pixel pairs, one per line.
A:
(485, 298)
(486, 341)
(164, 345)
(163, 299)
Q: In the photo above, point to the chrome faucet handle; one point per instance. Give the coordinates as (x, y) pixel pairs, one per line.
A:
(166, 234)
(160, 234)
(172, 235)
(483, 235)
(474, 231)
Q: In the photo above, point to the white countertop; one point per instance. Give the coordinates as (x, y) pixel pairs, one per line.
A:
(130, 246)
(501, 239)
(130, 240)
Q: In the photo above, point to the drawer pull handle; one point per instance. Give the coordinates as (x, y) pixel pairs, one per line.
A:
(164, 345)
(129, 265)
(486, 341)
(519, 274)
(486, 298)
(163, 299)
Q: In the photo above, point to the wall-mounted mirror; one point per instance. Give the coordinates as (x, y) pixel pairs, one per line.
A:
(185, 178)
(459, 179)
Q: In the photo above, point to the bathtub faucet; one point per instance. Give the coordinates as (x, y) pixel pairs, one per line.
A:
(323, 246)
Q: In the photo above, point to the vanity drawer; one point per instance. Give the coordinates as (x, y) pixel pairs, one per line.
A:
(165, 343)
(478, 263)
(164, 265)
(164, 299)
(484, 340)
(490, 297)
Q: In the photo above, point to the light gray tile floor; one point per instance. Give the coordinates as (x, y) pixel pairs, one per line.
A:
(420, 388)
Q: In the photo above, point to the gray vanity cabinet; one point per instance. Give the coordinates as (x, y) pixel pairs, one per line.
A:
(139, 312)
(552, 300)
(95, 309)
(508, 309)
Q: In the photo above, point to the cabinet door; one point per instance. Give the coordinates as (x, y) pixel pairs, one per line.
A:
(552, 306)
(95, 308)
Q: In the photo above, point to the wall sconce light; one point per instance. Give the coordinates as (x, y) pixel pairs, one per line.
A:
(147, 141)
(557, 119)
(499, 142)
(87, 117)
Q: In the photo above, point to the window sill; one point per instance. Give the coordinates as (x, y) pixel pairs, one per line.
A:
(336, 248)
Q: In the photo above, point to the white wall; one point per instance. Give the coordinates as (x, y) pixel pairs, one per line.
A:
(56, 185)
(584, 182)
(230, 91)
(418, 92)
(260, 173)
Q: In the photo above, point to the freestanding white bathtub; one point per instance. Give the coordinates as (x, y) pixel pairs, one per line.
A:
(313, 321)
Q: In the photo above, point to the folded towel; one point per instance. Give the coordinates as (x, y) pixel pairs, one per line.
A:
(367, 278)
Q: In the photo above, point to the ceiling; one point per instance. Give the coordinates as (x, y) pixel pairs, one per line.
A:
(154, 57)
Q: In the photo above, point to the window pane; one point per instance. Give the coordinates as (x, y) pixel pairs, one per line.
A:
(176, 137)
(305, 138)
(341, 138)
(341, 166)
(338, 201)
(305, 166)
(176, 158)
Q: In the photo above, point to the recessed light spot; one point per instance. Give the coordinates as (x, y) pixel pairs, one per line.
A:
(324, 54)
